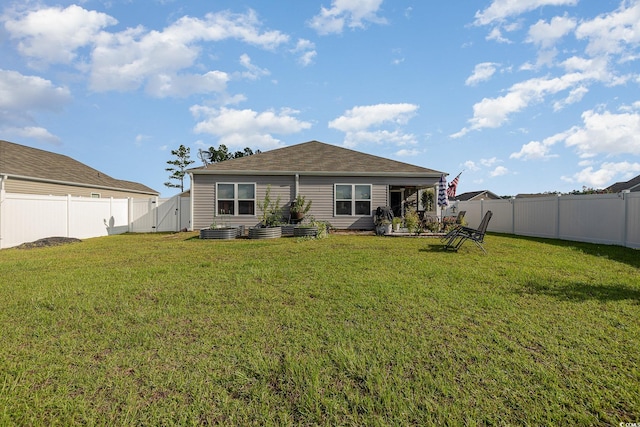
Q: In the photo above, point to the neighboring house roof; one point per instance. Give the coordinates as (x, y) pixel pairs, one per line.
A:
(476, 195)
(315, 157)
(31, 163)
(632, 185)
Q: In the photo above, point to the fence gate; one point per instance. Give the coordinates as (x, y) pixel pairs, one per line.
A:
(167, 214)
(152, 215)
(142, 215)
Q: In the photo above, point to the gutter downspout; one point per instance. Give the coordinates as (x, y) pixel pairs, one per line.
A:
(297, 184)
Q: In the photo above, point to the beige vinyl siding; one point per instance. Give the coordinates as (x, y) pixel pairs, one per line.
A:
(203, 192)
(320, 189)
(23, 186)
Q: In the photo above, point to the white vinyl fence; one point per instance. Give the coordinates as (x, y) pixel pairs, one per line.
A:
(28, 217)
(612, 219)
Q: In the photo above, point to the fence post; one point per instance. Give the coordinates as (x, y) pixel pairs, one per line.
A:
(625, 220)
(513, 214)
(130, 214)
(557, 231)
(68, 215)
(2, 196)
(154, 207)
(179, 213)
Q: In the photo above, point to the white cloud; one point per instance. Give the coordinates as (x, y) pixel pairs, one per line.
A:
(21, 97)
(125, 60)
(612, 32)
(253, 71)
(499, 171)
(481, 72)
(357, 124)
(489, 162)
(630, 108)
(33, 132)
(306, 50)
(534, 150)
(408, 153)
(361, 137)
(53, 35)
(181, 86)
(350, 13)
(606, 133)
(546, 35)
(499, 10)
(471, 165)
(141, 138)
(242, 128)
(603, 177)
(26, 93)
(136, 57)
(494, 112)
(363, 117)
(601, 133)
(575, 95)
(496, 35)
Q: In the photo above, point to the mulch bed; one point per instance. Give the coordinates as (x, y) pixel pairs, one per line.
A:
(48, 241)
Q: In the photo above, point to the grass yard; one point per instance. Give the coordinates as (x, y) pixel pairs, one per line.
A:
(349, 330)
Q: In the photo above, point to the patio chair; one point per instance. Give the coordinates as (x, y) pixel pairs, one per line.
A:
(456, 227)
(466, 233)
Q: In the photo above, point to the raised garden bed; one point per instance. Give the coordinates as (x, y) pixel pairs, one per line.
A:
(265, 232)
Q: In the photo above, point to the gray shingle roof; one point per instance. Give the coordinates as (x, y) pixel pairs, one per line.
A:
(316, 157)
(627, 185)
(463, 197)
(23, 161)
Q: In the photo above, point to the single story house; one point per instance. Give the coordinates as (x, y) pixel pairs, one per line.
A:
(632, 185)
(345, 186)
(26, 170)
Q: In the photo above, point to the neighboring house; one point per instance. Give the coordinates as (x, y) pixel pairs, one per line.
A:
(345, 186)
(476, 195)
(29, 170)
(632, 185)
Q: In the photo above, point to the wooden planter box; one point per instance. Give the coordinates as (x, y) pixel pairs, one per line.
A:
(219, 233)
(265, 233)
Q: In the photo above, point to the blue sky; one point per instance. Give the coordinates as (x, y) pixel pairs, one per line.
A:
(524, 96)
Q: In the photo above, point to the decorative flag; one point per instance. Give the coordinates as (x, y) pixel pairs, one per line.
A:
(443, 200)
(451, 191)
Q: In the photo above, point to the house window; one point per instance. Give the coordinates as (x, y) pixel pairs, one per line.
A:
(95, 195)
(235, 199)
(353, 199)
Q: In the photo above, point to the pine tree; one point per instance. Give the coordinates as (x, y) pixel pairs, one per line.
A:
(180, 165)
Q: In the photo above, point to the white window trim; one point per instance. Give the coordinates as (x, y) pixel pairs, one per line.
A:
(235, 199)
(96, 195)
(353, 200)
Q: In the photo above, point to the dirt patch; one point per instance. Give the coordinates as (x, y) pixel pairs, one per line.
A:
(48, 241)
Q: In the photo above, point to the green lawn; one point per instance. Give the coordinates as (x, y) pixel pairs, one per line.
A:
(349, 330)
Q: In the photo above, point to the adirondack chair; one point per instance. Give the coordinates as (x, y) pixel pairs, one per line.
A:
(466, 233)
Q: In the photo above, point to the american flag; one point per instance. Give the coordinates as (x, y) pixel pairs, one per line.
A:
(453, 185)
